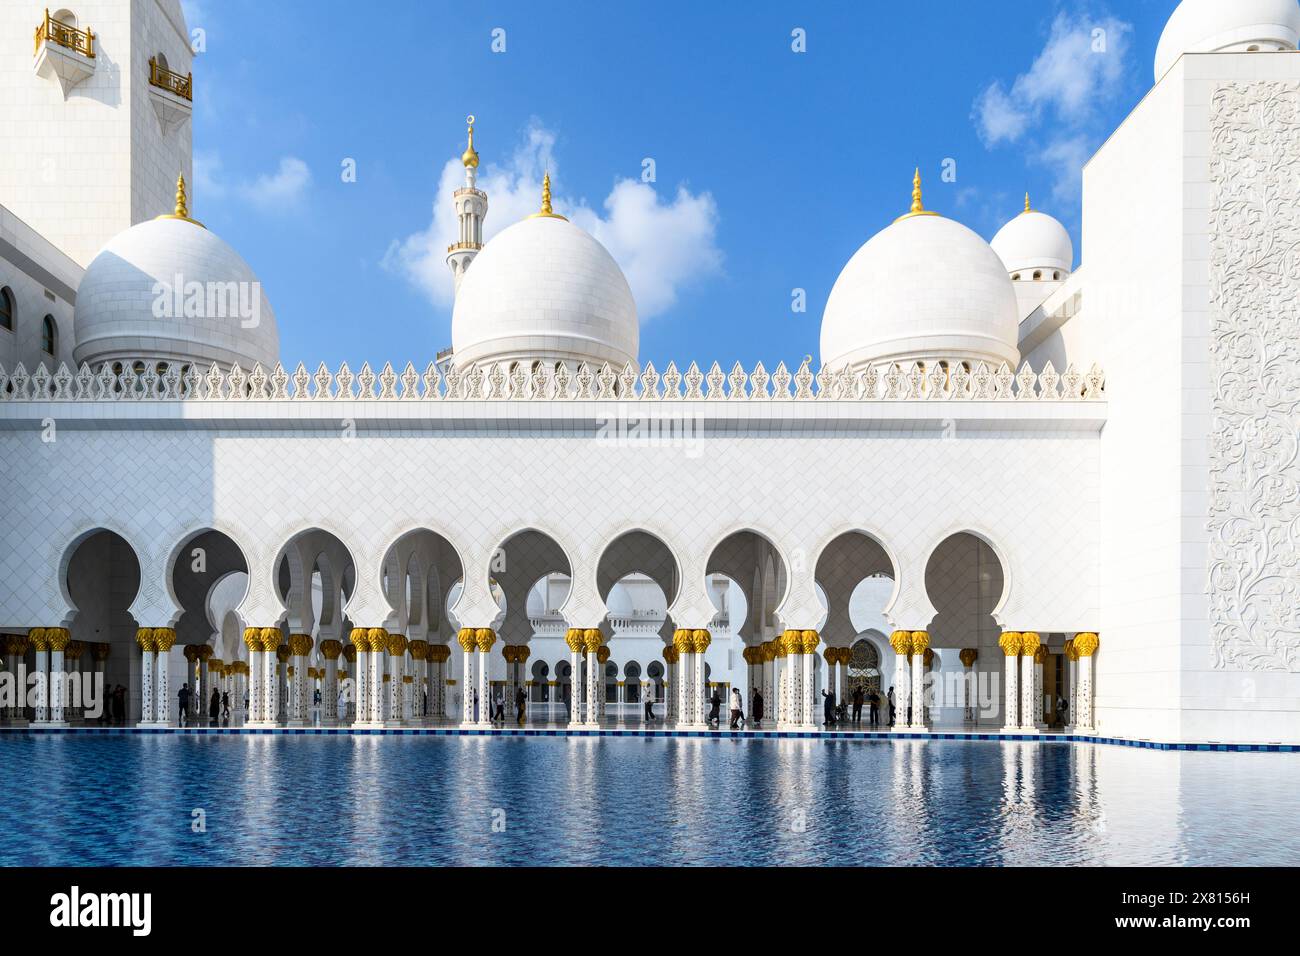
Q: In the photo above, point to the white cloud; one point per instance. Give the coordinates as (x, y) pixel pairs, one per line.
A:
(269, 192)
(661, 245)
(1052, 107)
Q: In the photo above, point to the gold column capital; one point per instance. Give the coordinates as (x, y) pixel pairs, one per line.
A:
(330, 649)
(143, 638)
(1087, 644)
(1010, 643)
(485, 637)
(969, 656)
(397, 644)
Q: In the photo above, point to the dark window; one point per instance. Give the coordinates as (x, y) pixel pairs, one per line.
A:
(49, 336)
(6, 309)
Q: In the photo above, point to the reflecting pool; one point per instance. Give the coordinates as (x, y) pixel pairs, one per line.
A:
(272, 800)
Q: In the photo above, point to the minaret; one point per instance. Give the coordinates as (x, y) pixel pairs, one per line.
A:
(471, 210)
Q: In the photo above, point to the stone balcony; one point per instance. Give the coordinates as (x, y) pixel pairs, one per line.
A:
(63, 52)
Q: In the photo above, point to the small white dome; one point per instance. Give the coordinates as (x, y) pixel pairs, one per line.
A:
(545, 289)
(924, 289)
(1207, 26)
(1035, 241)
(169, 289)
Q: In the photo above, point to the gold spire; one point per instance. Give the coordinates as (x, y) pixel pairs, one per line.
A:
(469, 157)
(182, 210)
(547, 212)
(1028, 208)
(918, 208)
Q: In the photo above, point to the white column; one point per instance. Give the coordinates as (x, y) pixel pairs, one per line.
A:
(918, 685)
(378, 648)
(329, 693)
(360, 676)
(58, 640)
(1040, 663)
(144, 638)
(811, 697)
(901, 642)
(1010, 644)
(253, 641)
(164, 639)
(769, 687)
(468, 644)
(1086, 645)
(595, 680)
(485, 639)
(1029, 644)
(575, 684)
(969, 656)
(1072, 676)
(397, 645)
(685, 678)
(270, 674)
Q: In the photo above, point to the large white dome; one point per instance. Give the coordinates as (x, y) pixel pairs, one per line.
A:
(169, 289)
(925, 289)
(1205, 26)
(545, 289)
(1035, 241)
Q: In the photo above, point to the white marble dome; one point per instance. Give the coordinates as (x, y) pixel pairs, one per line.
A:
(127, 306)
(1206, 26)
(1035, 242)
(925, 289)
(545, 289)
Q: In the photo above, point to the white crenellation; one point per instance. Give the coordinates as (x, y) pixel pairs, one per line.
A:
(544, 384)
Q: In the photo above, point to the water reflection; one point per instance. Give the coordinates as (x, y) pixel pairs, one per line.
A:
(603, 801)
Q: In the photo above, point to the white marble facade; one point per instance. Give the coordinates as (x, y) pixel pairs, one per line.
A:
(1078, 486)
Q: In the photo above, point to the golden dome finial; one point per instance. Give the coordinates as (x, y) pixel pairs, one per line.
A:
(918, 207)
(182, 210)
(470, 157)
(546, 195)
(1028, 208)
(546, 212)
(182, 204)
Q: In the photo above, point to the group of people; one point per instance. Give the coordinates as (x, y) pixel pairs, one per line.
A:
(838, 713)
(218, 707)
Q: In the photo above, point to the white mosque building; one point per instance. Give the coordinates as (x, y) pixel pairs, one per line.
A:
(1029, 495)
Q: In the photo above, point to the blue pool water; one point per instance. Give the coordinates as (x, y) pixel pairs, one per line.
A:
(130, 800)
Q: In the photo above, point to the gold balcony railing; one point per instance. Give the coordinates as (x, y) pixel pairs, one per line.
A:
(165, 79)
(66, 36)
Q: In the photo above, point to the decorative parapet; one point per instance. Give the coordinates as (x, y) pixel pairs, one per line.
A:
(141, 381)
(69, 37)
(174, 83)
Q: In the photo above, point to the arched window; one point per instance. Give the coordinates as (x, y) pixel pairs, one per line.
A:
(6, 309)
(1037, 276)
(49, 335)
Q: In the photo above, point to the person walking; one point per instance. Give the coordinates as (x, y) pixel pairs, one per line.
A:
(715, 708)
(214, 709)
(828, 709)
(521, 701)
(875, 709)
(892, 711)
(499, 707)
(650, 705)
(758, 708)
(183, 698)
(737, 708)
(225, 708)
(857, 705)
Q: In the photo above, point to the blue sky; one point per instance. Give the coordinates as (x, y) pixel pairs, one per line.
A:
(772, 167)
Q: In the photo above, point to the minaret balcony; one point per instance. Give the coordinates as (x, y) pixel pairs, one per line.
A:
(65, 52)
(172, 95)
(464, 247)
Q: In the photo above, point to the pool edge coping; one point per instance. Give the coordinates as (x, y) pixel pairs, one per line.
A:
(511, 732)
